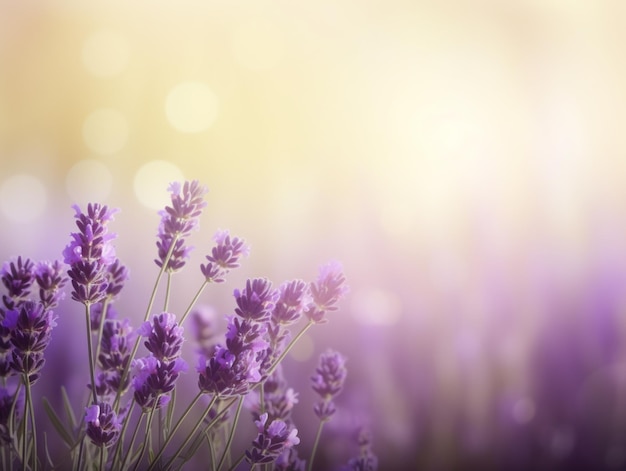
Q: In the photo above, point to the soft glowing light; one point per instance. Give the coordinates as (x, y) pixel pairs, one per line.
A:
(303, 349)
(152, 180)
(89, 180)
(105, 131)
(22, 198)
(105, 53)
(376, 307)
(257, 45)
(191, 107)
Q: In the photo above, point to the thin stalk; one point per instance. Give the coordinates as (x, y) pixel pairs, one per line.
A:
(31, 411)
(189, 436)
(176, 427)
(105, 307)
(132, 441)
(239, 460)
(230, 435)
(90, 352)
(80, 454)
(211, 449)
(120, 440)
(193, 302)
(101, 465)
(289, 347)
(315, 443)
(168, 288)
(146, 316)
(148, 433)
(25, 428)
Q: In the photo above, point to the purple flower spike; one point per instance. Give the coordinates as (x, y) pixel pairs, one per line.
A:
(224, 257)
(154, 379)
(115, 349)
(326, 291)
(50, 280)
(294, 298)
(273, 439)
(226, 374)
(328, 381)
(289, 461)
(103, 425)
(177, 222)
(117, 274)
(17, 277)
(90, 253)
(165, 336)
(29, 332)
(257, 300)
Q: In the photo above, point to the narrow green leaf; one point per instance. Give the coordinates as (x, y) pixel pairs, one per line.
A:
(58, 425)
(68, 408)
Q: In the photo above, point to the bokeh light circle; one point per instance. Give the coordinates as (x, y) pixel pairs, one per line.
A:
(23, 198)
(191, 107)
(152, 181)
(105, 53)
(89, 181)
(105, 131)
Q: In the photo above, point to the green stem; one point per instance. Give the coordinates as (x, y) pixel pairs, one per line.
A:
(101, 466)
(176, 427)
(148, 433)
(193, 302)
(145, 318)
(105, 307)
(31, 411)
(315, 443)
(168, 288)
(90, 352)
(289, 347)
(132, 440)
(230, 435)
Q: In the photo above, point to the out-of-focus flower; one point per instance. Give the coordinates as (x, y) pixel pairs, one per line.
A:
(293, 298)
(328, 380)
(164, 336)
(17, 277)
(278, 398)
(203, 328)
(177, 222)
(273, 439)
(326, 291)
(288, 460)
(7, 409)
(224, 256)
(366, 460)
(115, 350)
(103, 424)
(50, 280)
(89, 254)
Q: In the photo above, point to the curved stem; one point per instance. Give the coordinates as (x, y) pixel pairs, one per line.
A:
(315, 443)
(239, 460)
(193, 302)
(231, 434)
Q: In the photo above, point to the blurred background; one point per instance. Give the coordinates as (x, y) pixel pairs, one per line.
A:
(464, 160)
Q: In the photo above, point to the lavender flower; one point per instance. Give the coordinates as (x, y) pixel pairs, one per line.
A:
(225, 374)
(7, 408)
(90, 253)
(177, 222)
(293, 298)
(154, 379)
(114, 356)
(103, 425)
(366, 460)
(96, 315)
(29, 332)
(117, 274)
(17, 277)
(278, 399)
(224, 257)
(326, 291)
(204, 333)
(164, 337)
(328, 381)
(273, 439)
(288, 460)
(50, 280)
(257, 300)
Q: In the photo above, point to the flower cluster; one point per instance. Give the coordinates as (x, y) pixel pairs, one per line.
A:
(90, 253)
(245, 362)
(156, 374)
(177, 222)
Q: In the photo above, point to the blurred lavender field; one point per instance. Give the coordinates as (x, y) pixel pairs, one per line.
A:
(464, 160)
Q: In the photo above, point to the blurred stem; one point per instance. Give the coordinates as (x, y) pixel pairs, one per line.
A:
(316, 443)
(239, 460)
(193, 302)
(132, 440)
(28, 411)
(90, 352)
(231, 434)
(105, 307)
(148, 432)
(168, 288)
